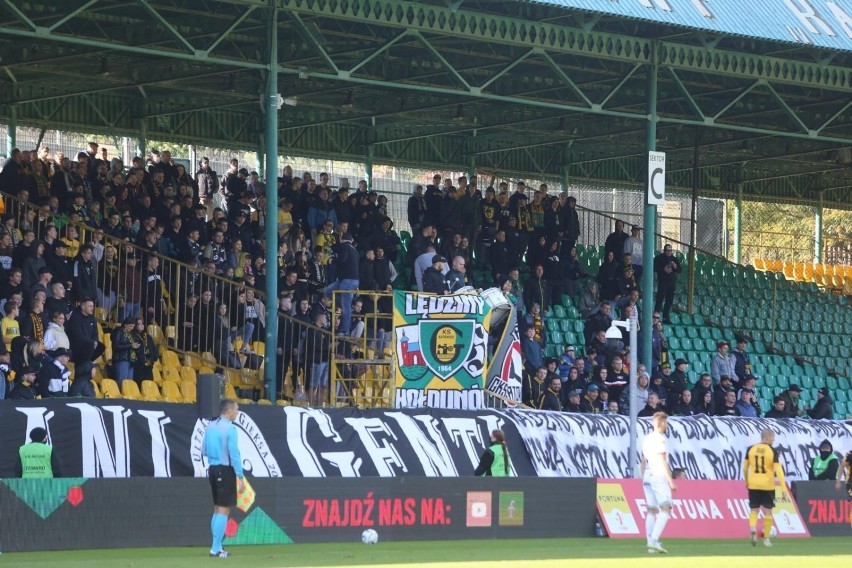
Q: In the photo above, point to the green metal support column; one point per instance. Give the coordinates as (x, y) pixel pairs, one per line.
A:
(142, 140)
(12, 130)
(272, 205)
(565, 179)
(258, 162)
(818, 231)
(650, 229)
(368, 167)
(471, 167)
(738, 226)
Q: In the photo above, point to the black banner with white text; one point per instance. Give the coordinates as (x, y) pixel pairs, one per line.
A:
(120, 438)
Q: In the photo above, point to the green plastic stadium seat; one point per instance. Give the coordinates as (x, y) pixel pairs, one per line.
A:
(556, 338)
(806, 382)
(769, 381)
(558, 311)
(840, 395)
(783, 382)
(840, 410)
(831, 383)
(843, 383)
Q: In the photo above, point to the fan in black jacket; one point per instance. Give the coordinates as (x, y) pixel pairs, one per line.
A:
(433, 278)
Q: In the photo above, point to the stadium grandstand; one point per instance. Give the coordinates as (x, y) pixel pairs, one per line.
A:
(180, 243)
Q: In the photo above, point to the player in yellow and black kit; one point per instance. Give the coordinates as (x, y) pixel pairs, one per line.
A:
(760, 469)
(845, 472)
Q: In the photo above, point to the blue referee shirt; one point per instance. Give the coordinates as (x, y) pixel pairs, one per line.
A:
(220, 445)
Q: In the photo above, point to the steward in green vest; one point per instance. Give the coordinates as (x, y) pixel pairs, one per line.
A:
(825, 465)
(37, 460)
(495, 460)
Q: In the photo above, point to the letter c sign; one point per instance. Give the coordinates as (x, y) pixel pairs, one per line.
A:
(656, 178)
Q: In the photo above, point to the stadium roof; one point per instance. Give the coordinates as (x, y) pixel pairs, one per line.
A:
(821, 23)
(517, 88)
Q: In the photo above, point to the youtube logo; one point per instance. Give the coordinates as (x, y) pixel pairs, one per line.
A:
(479, 508)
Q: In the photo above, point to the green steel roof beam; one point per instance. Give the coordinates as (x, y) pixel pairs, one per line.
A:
(231, 28)
(44, 34)
(312, 40)
(787, 108)
(168, 26)
(10, 5)
(571, 108)
(72, 14)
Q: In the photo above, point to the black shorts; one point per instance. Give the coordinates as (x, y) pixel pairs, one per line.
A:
(223, 482)
(761, 498)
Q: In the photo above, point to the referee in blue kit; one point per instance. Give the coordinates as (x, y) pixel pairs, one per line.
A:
(225, 470)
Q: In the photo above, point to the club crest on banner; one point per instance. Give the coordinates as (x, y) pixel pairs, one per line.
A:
(449, 345)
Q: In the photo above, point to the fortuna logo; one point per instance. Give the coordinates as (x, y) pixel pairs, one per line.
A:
(257, 457)
(416, 304)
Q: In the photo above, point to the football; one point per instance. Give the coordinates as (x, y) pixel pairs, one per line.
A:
(773, 532)
(369, 536)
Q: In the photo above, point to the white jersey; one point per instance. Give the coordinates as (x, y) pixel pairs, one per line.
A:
(654, 450)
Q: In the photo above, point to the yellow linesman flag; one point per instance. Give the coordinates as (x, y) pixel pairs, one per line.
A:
(245, 498)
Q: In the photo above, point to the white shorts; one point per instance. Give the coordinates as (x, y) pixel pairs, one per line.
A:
(657, 493)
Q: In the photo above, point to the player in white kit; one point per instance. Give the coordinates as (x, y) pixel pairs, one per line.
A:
(657, 482)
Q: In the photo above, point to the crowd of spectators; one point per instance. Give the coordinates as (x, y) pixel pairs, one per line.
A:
(53, 276)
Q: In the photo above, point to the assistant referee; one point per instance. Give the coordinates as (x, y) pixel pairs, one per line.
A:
(225, 470)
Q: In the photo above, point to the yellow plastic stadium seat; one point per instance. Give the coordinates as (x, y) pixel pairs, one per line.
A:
(158, 376)
(230, 392)
(208, 358)
(110, 389)
(206, 371)
(192, 360)
(259, 347)
(98, 393)
(100, 314)
(171, 392)
(101, 336)
(151, 392)
(129, 389)
(170, 359)
(264, 402)
(188, 374)
(282, 402)
(238, 344)
(171, 332)
(759, 264)
(171, 374)
(187, 390)
(156, 333)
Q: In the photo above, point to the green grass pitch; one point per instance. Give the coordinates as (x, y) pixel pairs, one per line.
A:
(545, 553)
